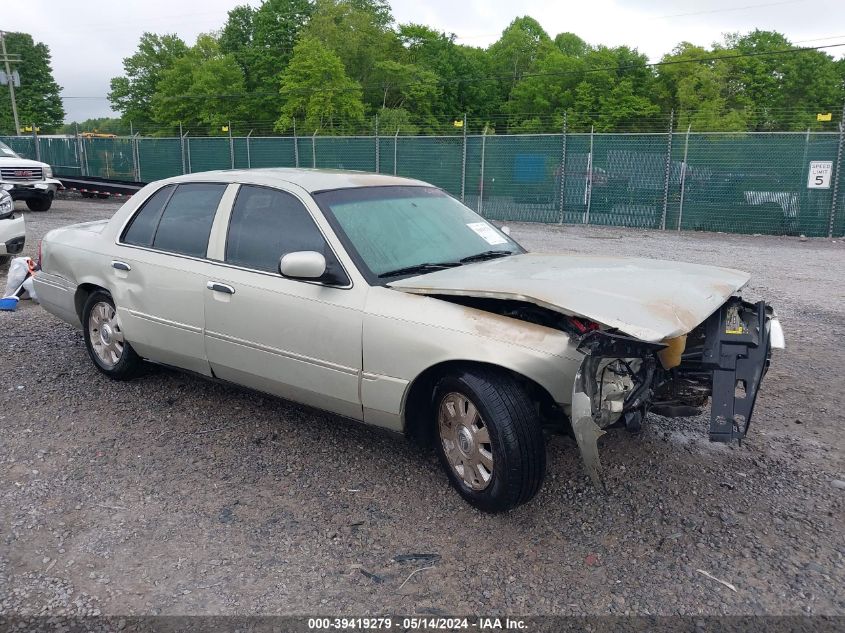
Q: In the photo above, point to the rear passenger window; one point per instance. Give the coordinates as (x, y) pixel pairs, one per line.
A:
(266, 224)
(143, 227)
(186, 222)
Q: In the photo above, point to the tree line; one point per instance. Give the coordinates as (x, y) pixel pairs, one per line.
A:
(346, 66)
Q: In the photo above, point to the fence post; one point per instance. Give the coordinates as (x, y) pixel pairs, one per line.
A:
(668, 173)
(188, 152)
(464, 160)
(138, 157)
(182, 146)
(37, 144)
(589, 192)
(248, 157)
(295, 145)
(838, 175)
(78, 148)
(378, 158)
(683, 178)
(231, 145)
(314, 150)
(562, 171)
(396, 151)
(481, 183)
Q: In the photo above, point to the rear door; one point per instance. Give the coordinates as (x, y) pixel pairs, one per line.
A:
(160, 271)
(297, 339)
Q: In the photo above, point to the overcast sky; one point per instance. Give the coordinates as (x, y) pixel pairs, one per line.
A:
(89, 38)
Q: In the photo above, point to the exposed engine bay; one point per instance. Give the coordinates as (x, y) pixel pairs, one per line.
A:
(621, 378)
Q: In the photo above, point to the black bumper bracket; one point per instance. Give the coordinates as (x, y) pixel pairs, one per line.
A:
(737, 348)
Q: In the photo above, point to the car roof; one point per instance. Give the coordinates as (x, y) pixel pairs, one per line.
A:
(312, 180)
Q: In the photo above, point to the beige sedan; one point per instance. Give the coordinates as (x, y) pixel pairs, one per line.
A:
(386, 300)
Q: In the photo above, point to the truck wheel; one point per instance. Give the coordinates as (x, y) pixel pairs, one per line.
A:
(491, 442)
(111, 353)
(39, 204)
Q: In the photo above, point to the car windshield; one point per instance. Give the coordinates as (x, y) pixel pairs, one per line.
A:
(5, 150)
(396, 231)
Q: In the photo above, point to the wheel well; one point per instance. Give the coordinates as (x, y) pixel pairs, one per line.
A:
(418, 410)
(84, 291)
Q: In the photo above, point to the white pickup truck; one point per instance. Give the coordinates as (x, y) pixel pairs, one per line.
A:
(28, 180)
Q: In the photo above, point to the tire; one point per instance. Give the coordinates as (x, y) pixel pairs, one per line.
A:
(508, 469)
(118, 362)
(40, 204)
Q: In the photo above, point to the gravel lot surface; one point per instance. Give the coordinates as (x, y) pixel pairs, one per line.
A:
(176, 495)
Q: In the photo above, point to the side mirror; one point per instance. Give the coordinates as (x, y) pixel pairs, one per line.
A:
(303, 265)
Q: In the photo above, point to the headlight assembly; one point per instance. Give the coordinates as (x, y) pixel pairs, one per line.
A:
(7, 205)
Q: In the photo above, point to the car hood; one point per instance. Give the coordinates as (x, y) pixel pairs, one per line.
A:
(648, 299)
(10, 161)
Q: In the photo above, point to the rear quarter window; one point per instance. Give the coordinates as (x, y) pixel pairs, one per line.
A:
(141, 230)
(177, 219)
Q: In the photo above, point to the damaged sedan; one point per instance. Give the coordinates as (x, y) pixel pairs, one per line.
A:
(386, 300)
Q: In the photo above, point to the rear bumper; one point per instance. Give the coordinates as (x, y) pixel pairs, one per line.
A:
(30, 190)
(57, 296)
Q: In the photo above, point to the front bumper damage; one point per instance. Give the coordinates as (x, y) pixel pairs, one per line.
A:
(27, 190)
(726, 358)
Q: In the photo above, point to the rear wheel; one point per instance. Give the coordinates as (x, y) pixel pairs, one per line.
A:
(111, 353)
(39, 204)
(490, 440)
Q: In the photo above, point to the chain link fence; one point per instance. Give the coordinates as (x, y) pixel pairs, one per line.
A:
(780, 183)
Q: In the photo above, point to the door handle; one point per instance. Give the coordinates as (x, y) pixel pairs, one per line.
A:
(218, 287)
(121, 266)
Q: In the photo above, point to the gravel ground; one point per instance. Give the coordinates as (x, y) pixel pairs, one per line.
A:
(176, 495)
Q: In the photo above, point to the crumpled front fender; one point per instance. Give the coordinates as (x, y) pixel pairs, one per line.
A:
(597, 346)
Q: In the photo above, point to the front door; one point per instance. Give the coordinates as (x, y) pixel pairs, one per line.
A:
(297, 339)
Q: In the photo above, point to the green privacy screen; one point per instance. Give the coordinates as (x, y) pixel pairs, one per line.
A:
(775, 183)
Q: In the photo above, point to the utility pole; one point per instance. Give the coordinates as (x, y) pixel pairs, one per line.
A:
(6, 59)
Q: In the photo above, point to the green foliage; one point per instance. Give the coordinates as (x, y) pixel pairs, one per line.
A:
(37, 97)
(334, 64)
(202, 89)
(517, 51)
(103, 125)
(359, 33)
(393, 120)
(132, 94)
(316, 91)
(261, 41)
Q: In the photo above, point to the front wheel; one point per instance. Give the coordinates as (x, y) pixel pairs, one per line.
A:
(107, 347)
(40, 204)
(490, 439)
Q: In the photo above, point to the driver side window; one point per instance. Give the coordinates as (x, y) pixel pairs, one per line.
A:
(267, 224)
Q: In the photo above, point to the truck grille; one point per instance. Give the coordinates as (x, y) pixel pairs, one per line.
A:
(19, 174)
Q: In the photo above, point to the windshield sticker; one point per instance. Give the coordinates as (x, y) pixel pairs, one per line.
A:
(487, 233)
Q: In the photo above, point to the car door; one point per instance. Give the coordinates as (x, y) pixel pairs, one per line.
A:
(297, 339)
(160, 270)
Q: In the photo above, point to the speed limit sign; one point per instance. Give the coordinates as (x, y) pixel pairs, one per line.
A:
(819, 175)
